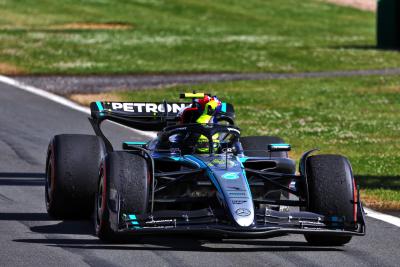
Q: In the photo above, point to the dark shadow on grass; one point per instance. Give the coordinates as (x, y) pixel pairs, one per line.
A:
(375, 182)
(365, 47)
(22, 178)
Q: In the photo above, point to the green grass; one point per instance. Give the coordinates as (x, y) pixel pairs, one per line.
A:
(385, 194)
(189, 36)
(381, 192)
(358, 118)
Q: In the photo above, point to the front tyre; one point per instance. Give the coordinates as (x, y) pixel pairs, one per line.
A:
(123, 189)
(331, 193)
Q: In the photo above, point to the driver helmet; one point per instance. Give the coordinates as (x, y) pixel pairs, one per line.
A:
(201, 110)
(212, 106)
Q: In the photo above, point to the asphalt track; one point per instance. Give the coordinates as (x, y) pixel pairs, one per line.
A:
(28, 237)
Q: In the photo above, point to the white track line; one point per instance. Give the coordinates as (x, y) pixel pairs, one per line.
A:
(383, 217)
(61, 100)
(68, 103)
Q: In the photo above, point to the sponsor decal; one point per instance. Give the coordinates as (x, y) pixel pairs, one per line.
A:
(230, 175)
(238, 202)
(147, 107)
(243, 212)
(237, 194)
(235, 188)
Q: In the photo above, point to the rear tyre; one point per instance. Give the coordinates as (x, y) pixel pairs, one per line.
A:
(72, 168)
(332, 193)
(123, 185)
(259, 146)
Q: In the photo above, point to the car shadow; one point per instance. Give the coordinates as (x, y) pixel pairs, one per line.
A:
(21, 179)
(72, 227)
(180, 243)
(163, 242)
(68, 227)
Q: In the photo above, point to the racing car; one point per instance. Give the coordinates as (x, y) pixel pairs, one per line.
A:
(198, 176)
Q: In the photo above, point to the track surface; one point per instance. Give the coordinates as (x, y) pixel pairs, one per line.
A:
(28, 237)
(103, 83)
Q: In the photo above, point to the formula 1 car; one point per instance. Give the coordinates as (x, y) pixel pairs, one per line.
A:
(243, 187)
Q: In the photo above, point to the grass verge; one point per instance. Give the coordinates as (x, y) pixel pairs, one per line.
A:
(354, 117)
(105, 37)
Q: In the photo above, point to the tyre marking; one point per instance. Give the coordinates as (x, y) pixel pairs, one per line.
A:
(355, 201)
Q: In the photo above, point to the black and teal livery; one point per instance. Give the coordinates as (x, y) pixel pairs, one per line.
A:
(243, 186)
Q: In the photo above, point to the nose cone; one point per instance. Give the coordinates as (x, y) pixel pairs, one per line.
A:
(238, 197)
(228, 174)
(244, 217)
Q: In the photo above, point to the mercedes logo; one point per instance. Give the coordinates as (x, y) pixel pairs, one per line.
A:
(243, 212)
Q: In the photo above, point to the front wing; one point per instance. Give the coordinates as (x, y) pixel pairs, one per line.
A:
(268, 223)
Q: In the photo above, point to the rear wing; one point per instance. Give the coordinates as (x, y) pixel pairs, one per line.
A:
(139, 115)
(145, 116)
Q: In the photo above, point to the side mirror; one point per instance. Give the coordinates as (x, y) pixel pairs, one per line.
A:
(133, 145)
(279, 147)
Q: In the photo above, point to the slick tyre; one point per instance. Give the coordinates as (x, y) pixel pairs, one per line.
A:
(331, 193)
(256, 146)
(123, 188)
(72, 167)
